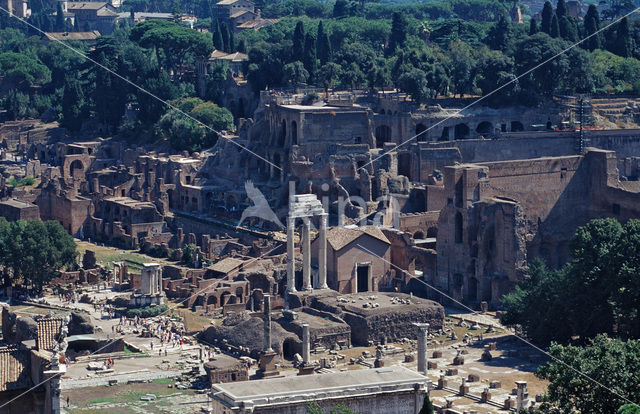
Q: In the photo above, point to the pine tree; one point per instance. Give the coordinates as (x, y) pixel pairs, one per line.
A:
(547, 17)
(623, 38)
(533, 27)
(72, 105)
(217, 35)
(323, 45)
(59, 18)
(398, 31)
(591, 26)
(561, 9)
(298, 42)
(555, 27)
(226, 46)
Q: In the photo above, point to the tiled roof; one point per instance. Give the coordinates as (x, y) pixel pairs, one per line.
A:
(85, 5)
(340, 237)
(229, 2)
(14, 368)
(72, 35)
(233, 57)
(226, 265)
(240, 13)
(256, 24)
(48, 329)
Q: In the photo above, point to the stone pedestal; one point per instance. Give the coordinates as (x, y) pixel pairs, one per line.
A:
(442, 382)
(267, 365)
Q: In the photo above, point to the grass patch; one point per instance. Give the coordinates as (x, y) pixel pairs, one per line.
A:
(107, 255)
(163, 381)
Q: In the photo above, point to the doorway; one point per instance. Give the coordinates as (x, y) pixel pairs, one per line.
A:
(362, 274)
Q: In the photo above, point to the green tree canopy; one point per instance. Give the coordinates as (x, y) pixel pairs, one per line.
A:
(23, 70)
(33, 251)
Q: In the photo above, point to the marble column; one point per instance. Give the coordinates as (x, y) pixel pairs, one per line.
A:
(291, 280)
(159, 276)
(322, 253)
(306, 345)
(267, 324)
(423, 331)
(306, 255)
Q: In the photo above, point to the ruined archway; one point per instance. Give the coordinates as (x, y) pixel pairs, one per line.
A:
(294, 133)
(484, 128)
(283, 133)
(418, 235)
(458, 228)
(212, 300)
(516, 126)
(383, 134)
(289, 348)
(461, 131)
(420, 132)
(472, 290)
(76, 169)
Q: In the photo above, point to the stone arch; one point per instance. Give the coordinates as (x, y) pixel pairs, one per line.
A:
(212, 300)
(239, 293)
(404, 164)
(420, 132)
(382, 112)
(472, 289)
(432, 232)
(516, 126)
(225, 297)
(458, 228)
(294, 133)
(445, 134)
(418, 235)
(484, 128)
(289, 348)
(383, 134)
(283, 133)
(461, 131)
(76, 169)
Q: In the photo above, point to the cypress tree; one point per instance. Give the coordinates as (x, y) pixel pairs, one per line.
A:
(499, 34)
(398, 31)
(232, 42)
(561, 9)
(217, 36)
(547, 17)
(298, 42)
(323, 46)
(591, 26)
(533, 27)
(568, 28)
(59, 18)
(72, 105)
(555, 27)
(309, 59)
(225, 37)
(623, 38)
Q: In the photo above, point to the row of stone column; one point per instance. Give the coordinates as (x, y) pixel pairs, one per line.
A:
(306, 254)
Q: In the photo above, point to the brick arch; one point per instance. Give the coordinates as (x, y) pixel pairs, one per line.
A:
(75, 167)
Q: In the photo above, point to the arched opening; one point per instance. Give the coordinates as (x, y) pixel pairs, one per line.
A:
(516, 126)
(382, 112)
(420, 128)
(383, 134)
(458, 226)
(404, 164)
(76, 169)
(445, 134)
(283, 134)
(224, 298)
(432, 232)
(294, 133)
(472, 289)
(418, 235)
(289, 348)
(212, 300)
(239, 293)
(461, 131)
(484, 128)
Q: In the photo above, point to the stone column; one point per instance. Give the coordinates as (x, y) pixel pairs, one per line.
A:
(423, 331)
(306, 345)
(291, 285)
(159, 276)
(267, 324)
(306, 255)
(322, 253)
